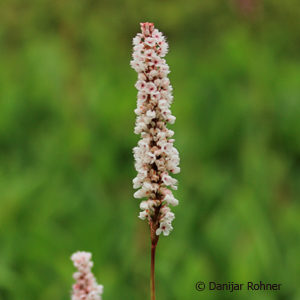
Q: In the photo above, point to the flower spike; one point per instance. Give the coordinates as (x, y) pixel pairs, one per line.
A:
(155, 156)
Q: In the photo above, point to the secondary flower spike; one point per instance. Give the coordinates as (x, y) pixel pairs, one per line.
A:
(155, 156)
(86, 286)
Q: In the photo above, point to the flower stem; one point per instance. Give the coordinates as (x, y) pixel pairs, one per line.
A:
(152, 277)
(154, 240)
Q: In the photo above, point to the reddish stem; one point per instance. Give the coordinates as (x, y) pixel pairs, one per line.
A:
(152, 278)
(154, 240)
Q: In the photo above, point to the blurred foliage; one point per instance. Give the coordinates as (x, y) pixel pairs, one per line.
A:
(66, 136)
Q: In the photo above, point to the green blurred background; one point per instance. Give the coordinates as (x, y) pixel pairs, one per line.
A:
(66, 137)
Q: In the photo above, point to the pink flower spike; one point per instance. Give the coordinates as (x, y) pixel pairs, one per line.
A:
(155, 156)
(86, 286)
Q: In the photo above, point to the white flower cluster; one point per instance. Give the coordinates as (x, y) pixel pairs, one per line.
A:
(86, 287)
(155, 155)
